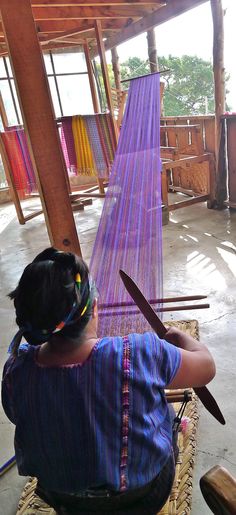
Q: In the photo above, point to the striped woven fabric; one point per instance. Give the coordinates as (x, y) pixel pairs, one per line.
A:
(129, 235)
(17, 151)
(87, 144)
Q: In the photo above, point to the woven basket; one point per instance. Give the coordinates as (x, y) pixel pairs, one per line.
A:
(179, 502)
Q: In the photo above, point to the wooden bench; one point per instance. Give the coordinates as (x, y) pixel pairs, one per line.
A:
(188, 163)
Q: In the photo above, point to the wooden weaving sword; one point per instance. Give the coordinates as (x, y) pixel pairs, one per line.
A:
(146, 309)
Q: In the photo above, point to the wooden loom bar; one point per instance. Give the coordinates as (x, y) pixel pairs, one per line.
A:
(40, 126)
(159, 310)
(101, 50)
(154, 301)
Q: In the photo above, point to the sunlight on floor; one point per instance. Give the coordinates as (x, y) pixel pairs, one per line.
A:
(201, 265)
(229, 259)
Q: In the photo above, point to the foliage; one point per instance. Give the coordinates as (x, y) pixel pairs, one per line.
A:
(189, 85)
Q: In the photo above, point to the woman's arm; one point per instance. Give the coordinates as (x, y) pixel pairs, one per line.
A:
(197, 367)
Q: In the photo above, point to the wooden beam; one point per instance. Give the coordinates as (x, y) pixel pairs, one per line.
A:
(46, 38)
(3, 113)
(219, 82)
(79, 25)
(91, 12)
(37, 111)
(152, 51)
(91, 79)
(46, 3)
(102, 55)
(54, 45)
(165, 13)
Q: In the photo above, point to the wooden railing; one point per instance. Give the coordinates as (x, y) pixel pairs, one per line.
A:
(188, 159)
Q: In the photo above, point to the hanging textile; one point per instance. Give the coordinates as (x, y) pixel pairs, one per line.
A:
(17, 150)
(130, 231)
(87, 144)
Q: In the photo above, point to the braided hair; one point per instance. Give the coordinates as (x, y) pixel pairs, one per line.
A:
(54, 296)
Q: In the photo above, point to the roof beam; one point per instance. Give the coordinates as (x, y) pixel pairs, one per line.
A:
(165, 13)
(79, 25)
(49, 3)
(76, 13)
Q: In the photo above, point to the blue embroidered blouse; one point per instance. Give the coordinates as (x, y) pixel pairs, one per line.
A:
(102, 423)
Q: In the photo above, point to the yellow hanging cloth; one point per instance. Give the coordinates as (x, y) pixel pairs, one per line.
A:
(84, 156)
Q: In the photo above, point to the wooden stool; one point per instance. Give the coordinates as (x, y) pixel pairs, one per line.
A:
(218, 488)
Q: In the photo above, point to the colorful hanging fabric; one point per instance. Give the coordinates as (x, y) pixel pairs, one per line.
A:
(84, 155)
(17, 151)
(129, 235)
(88, 144)
(68, 145)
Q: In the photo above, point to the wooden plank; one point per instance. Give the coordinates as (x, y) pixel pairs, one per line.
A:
(40, 127)
(187, 128)
(186, 203)
(91, 12)
(186, 161)
(102, 55)
(46, 3)
(79, 25)
(165, 13)
(190, 118)
(231, 149)
(210, 135)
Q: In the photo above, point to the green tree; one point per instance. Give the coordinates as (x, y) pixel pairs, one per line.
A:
(189, 85)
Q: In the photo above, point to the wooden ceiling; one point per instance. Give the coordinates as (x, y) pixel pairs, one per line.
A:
(64, 23)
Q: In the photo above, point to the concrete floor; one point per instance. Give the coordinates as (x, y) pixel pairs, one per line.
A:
(199, 257)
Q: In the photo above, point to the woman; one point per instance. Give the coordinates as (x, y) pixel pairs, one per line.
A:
(92, 422)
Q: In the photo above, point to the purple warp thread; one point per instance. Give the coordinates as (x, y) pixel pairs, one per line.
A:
(130, 230)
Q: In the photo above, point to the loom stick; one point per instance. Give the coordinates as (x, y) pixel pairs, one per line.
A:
(6, 466)
(203, 393)
(158, 310)
(153, 301)
(146, 74)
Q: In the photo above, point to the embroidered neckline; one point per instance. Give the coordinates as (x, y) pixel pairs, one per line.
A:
(125, 414)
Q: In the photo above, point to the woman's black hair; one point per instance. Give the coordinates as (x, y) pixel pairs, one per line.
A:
(46, 294)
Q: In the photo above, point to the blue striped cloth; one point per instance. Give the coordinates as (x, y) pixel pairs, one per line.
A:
(69, 418)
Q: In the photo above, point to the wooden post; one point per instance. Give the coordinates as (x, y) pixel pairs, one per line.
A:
(116, 67)
(219, 80)
(94, 99)
(101, 51)
(91, 78)
(152, 51)
(11, 184)
(3, 113)
(35, 102)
